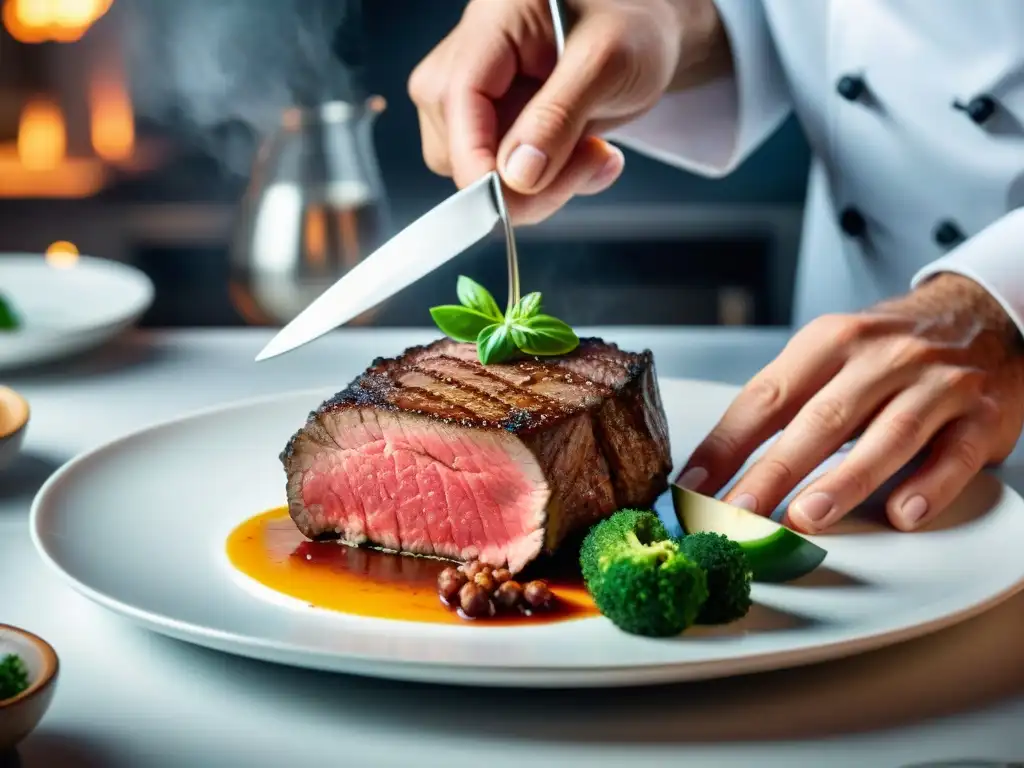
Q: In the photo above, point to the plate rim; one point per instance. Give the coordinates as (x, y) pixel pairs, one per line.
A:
(633, 673)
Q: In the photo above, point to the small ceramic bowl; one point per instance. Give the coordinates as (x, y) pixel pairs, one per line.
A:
(20, 715)
(14, 413)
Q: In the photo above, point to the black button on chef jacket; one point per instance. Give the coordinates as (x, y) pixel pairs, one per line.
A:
(852, 222)
(850, 87)
(979, 109)
(947, 233)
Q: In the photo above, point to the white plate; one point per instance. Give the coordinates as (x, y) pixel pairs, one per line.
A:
(66, 310)
(140, 524)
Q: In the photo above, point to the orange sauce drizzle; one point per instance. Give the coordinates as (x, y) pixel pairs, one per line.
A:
(269, 549)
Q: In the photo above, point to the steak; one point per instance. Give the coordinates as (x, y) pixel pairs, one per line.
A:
(432, 453)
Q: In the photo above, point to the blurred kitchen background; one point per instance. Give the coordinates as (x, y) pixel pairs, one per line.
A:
(130, 130)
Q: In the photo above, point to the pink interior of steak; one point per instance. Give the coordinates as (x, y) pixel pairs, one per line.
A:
(416, 485)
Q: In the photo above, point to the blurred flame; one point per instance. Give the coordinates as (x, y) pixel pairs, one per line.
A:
(62, 21)
(112, 120)
(42, 137)
(62, 254)
(37, 165)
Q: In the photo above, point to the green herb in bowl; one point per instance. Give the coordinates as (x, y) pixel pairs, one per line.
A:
(13, 676)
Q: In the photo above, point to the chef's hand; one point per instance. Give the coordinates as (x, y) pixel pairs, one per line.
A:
(938, 369)
(491, 96)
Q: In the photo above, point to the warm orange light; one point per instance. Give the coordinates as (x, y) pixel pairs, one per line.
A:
(112, 121)
(63, 21)
(37, 165)
(14, 21)
(42, 136)
(62, 254)
(74, 178)
(316, 236)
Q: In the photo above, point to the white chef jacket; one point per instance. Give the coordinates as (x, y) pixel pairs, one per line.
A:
(914, 110)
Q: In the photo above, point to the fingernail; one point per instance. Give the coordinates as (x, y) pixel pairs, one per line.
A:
(745, 501)
(692, 478)
(914, 509)
(813, 508)
(608, 172)
(525, 165)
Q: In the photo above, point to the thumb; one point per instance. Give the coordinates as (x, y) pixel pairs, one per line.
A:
(542, 139)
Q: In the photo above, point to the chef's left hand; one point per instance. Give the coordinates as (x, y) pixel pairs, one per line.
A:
(938, 369)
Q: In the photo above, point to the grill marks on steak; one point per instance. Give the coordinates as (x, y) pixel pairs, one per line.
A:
(433, 453)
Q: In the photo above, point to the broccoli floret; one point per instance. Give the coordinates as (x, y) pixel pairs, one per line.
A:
(612, 531)
(13, 676)
(637, 576)
(728, 574)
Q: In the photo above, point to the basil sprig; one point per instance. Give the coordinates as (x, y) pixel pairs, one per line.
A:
(499, 337)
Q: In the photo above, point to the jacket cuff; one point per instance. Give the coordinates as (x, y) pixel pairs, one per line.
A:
(993, 258)
(712, 128)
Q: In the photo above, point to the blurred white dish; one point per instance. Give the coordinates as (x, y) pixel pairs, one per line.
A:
(64, 310)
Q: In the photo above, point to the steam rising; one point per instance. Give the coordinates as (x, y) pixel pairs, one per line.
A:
(222, 71)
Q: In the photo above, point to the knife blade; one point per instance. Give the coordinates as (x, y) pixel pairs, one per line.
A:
(435, 238)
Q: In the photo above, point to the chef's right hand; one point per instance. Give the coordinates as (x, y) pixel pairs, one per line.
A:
(491, 95)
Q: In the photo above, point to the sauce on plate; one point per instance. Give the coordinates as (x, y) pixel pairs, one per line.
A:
(269, 549)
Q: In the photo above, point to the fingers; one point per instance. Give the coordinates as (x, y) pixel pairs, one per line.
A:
(472, 116)
(434, 140)
(961, 450)
(426, 89)
(764, 406)
(829, 419)
(455, 89)
(496, 76)
(578, 177)
(902, 428)
(602, 173)
(543, 138)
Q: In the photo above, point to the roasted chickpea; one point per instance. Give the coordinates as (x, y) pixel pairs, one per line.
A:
(537, 595)
(486, 580)
(471, 569)
(475, 600)
(509, 594)
(449, 582)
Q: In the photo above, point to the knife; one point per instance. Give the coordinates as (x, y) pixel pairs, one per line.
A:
(435, 238)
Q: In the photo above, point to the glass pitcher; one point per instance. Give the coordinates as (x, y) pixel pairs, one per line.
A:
(314, 208)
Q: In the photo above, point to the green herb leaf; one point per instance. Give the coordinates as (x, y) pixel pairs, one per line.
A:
(479, 320)
(8, 318)
(527, 307)
(495, 344)
(460, 323)
(473, 295)
(544, 335)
